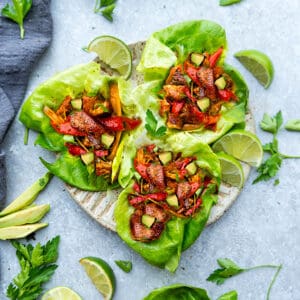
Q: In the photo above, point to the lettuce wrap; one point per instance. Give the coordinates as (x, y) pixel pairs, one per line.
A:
(75, 82)
(171, 47)
(179, 232)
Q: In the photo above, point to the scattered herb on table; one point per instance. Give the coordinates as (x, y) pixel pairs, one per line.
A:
(293, 125)
(270, 167)
(229, 269)
(232, 295)
(37, 267)
(106, 8)
(152, 124)
(228, 2)
(125, 265)
(17, 12)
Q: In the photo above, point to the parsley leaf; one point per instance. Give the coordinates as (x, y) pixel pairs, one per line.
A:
(17, 11)
(152, 124)
(228, 2)
(271, 124)
(125, 265)
(229, 268)
(36, 268)
(232, 295)
(106, 8)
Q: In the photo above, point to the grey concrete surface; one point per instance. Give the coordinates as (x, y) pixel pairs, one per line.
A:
(262, 226)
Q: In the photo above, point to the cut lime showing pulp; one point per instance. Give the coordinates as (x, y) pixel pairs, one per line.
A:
(113, 52)
(259, 64)
(242, 145)
(61, 293)
(100, 274)
(232, 170)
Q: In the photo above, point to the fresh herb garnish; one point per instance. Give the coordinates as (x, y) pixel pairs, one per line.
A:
(293, 125)
(17, 11)
(125, 265)
(232, 295)
(37, 267)
(106, 8)
(152, 124)
(228, 2)
(270, 167)
(229, 269)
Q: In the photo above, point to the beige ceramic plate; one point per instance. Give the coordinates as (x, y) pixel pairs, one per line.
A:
(101, 205)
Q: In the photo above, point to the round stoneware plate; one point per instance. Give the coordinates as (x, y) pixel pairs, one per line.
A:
(101, 205)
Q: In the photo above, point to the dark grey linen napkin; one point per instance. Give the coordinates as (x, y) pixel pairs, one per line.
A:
(17, 58)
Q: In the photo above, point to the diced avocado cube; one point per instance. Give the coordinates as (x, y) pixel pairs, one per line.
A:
(203, 104)
(107, 140)
(197, 58)
(172, 200)
(220, 83)
(148, 220)
(77, 104)
(68, 138)
(191, 168)
(165, 157)
(87, 158)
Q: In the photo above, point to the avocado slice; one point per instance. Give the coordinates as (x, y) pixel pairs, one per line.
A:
(172, 200)
(191, 168)
(203, 104)
(87, 158)
(220, 83)
(148, 220)
(107, 140)
(68, 138)
(165, 157)
(197, 58)
(77, 104)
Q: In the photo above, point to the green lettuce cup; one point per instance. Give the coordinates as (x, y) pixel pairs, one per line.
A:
(83, 116)
(189, 86)
(148, 219)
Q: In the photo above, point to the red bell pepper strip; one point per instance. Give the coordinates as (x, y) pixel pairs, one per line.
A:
(197, 114)
(136, 187)
(150, 148)
(141, 169)
(191, 71)
(101, 153)
(193, 209)
(214, 57)
(66, 128)
(226, 95)
(75, 149)
(131, 124)
(177, 107)
(114, 123)
(142, 198)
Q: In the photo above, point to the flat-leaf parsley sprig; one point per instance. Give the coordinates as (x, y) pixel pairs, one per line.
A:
(229, 268)
(270, 167)
(37, 267)
(106, 8)
(152, 125)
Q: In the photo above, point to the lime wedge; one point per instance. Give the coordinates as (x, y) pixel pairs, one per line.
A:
(242, 145)
(61, 293)
(113, 52)
(259, 64)
(101, 275)
(232, 170)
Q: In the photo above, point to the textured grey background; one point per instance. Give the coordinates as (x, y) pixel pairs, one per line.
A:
(261, 227)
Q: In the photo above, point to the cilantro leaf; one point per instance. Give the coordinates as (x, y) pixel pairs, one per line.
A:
(17, 11)
(227, 270)
(232, 295)
(125, 265)
(37, 267)
(107, 12)
(152, 124)
(228, 2)
(271, 124)
(106, 8)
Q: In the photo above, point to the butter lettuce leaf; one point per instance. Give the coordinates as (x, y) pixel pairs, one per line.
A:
(178, 291)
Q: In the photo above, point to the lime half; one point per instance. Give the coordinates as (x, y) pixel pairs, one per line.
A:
(242, 145)
(232, 170)
(61, 293)
(259, 64)
(113, 52)
(101, 275)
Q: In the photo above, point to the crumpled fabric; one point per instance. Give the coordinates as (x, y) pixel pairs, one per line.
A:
(17, 59)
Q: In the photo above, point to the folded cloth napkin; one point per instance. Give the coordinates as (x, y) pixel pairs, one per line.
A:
(17, 58)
